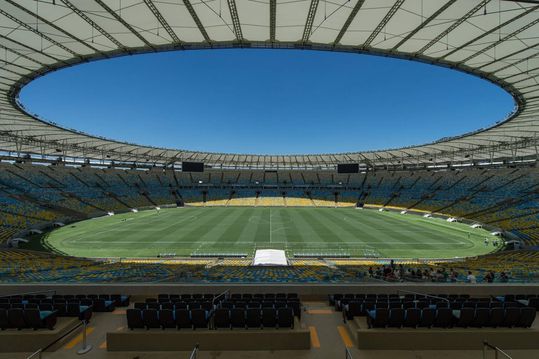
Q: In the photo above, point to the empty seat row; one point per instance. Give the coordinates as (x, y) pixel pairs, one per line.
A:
(234, 296)
(360, 308)
(408, 297)
(71, 309)
(166, 318)
(172, 306)
(27, 318)
(447, 318)
(119, 300)
(253, 318)
(184, 296)
(247, 296)
(220, 318)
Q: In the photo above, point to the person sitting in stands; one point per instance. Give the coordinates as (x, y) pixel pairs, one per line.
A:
(471, 278)
(454, 276)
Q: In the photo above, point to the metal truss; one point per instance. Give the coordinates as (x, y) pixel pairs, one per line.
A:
(309, 21)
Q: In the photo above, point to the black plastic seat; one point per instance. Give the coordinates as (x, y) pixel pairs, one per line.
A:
(512, 317)
(237, 318)
(15, 319)
(73, 309)
(183, 320)
(533, 302)
(296, 307)
(285, 318)
(465, 317)
(166, 318)
(134, 318)
(269, 318)
(253, 318)
(396, 317)
(151, 318)
(496, 317)
(140, 306)
(482, 317)
(36, 319)
(412, 317)
(527, 316)
(444, 318)
(199, 318)
(427, 317)
(221, 318)
(3, 319)
(378, 318)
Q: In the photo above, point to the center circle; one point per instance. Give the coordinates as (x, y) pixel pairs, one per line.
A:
(266, 101)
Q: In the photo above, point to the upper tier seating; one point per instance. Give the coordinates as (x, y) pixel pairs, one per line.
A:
(32, 196)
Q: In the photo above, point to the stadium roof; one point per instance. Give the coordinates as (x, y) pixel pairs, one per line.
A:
(494, 39)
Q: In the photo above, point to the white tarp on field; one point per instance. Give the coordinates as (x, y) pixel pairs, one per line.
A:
(270, 257)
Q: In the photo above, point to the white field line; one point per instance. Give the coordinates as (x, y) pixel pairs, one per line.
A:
(287, 242)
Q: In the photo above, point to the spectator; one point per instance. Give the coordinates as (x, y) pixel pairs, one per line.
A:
(471, 278)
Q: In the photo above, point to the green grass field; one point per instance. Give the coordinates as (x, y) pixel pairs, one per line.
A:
(215, 230)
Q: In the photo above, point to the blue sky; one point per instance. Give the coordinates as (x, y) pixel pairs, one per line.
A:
(266, 101)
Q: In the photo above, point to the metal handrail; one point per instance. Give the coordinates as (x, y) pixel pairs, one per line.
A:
(53, 291)
(497, 350)
(220, 295)
(36, 354)
(194, 353)
(426, 295)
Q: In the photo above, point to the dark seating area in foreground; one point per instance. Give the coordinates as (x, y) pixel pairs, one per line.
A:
(246, 321)
(429, 322)
(442, 311)
(255, 311)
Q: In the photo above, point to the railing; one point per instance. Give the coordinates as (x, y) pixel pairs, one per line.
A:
(37, 354)
(423, 294)
(224, 294)
(497, 351)
(347, 354)
(194, 353)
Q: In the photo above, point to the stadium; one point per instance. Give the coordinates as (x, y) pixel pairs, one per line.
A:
(111, 249)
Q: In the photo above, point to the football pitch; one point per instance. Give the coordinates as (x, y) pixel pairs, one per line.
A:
(241, 230)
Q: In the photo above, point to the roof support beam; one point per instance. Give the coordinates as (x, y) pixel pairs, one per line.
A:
(197, 21)
(508, 56)
(38, 33)
(486, 33)
(235, 19)
(520, 74)
(93, 24)
(526, 79)
(392, 11)
(47, 22)
(17, 65)
(453, 26)
(124, 23)
(162, 21)
(32, 49)
(309, 21)
(349, 20)
(24, 56)
(273, 19)
(423, 24)
(517, 62)
(505, 38)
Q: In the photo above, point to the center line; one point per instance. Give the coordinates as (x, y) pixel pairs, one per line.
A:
(270, 224)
